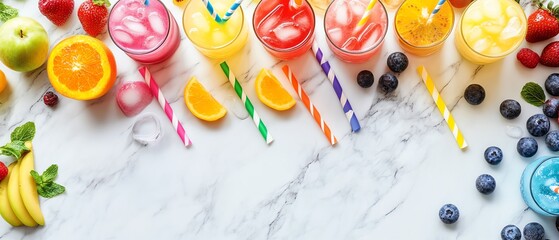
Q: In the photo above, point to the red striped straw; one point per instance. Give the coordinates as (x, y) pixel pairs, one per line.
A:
(312, 109)
(156, 91)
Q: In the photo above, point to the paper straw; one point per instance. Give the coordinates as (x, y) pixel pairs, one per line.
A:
(442, 107)
(310, 106)
(366, 14)
(228, 14)
(436, 10)
(248, 104)
(231, 10)
(325, 65)
(212, 12)
(554, 189)
(156, 91)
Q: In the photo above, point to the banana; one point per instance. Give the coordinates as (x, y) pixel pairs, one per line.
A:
(28, 187)
(5, 209)
(15, 200)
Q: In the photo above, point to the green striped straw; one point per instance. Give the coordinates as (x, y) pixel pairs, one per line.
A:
(248, 105)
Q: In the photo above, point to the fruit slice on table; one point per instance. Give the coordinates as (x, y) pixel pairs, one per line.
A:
(271, 93)
(15, 200)
(28, 187)
(3, 81)
(81, 67)
(5, 208)
(201, 103)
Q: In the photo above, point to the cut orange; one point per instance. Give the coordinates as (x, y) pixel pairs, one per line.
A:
(201, 103)
(271, 93)
(81, 67)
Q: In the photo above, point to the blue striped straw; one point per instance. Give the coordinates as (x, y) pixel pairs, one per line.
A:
(212, 12)
(231, 10)
(228, 14)
(436, 10)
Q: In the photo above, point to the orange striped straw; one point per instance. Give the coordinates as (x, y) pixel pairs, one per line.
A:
(312, 109)
(296, 3)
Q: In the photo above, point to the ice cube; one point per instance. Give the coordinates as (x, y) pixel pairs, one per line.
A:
(287, 31)
(473, 34)
(134, 26)
(495, 51)
(491, 27)
(270, 40)
(371, 37)
(118, 14)
(147, 129)
(350, 44)
(342, 14)
(474, 16)
(511, 11)
(271, 20)
(304, 20)
(133, 4)
(335, 35)
(218, 38)
(492, 9)
(482, 45)
(141, 13)
(156, 23)
(513, 29)
(357, 8)
(121, 36)
(366, 32)
(133, 97)
(151, 42)
(199, 23)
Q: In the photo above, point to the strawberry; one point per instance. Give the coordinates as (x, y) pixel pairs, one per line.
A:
(3, 171)
(528, 58)
(550, 55)
(57, 11)
(93, 15)
(543, 23)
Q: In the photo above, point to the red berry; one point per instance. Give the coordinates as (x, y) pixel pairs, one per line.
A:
(57, 11)
(3, 171)
(550, 55)
(93, 15)
(50, 99)
(528, 58)
(542, 25)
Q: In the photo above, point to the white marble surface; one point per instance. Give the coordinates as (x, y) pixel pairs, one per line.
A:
(387, 181)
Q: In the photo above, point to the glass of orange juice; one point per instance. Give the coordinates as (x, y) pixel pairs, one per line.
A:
(419, 35)
(489, 30)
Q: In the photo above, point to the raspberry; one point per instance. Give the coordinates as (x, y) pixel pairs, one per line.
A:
(50, 99)
(3, 171)
(528, 58)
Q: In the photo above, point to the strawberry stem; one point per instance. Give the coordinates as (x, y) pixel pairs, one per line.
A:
(554, 10)
(105, 3)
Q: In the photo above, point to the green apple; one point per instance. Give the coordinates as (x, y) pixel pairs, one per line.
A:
(24, 44)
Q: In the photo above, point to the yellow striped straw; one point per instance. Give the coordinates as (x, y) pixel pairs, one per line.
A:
(366, 14)
(442, 107)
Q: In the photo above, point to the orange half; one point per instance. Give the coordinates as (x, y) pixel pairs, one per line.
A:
(270, 91)
(201, 103)
(81, 67)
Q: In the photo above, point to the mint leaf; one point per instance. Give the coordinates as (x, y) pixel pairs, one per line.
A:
(25, 132)
(50, 190)
(15, 149)
(36, 177)
(7, 12)
(50, 174)
(533, 94)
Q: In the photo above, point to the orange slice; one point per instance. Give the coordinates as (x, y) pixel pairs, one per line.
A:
(81, 67)
(3, 81)
(201, 103)
(271, 93)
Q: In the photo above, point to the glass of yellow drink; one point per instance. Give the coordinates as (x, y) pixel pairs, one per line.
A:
(416, 33)
(489, 30)
(214, 40)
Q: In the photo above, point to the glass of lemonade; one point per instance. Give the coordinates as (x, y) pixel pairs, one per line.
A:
(285, 31)
(537, 183)
(214, 40)
(349, 42)
(489, 30)
(148, 34)
(416, 34)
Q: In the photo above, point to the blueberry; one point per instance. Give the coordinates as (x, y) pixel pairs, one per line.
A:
(365, 79)
(538, 125)
(485, 183)
(552, 140)
(527, 146)
(474, 94)
(511, 232)
(550, 107)
(493, 155)
(388, 82)
(534, 231)
(510, 109)
(397, 62)
(552, 84)
(449, 213)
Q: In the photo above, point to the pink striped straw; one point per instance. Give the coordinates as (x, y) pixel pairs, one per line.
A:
(156, 91)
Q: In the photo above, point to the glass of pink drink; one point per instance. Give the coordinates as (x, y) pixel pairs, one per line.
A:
(147, 33)
(285, 31)
(349, 42)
